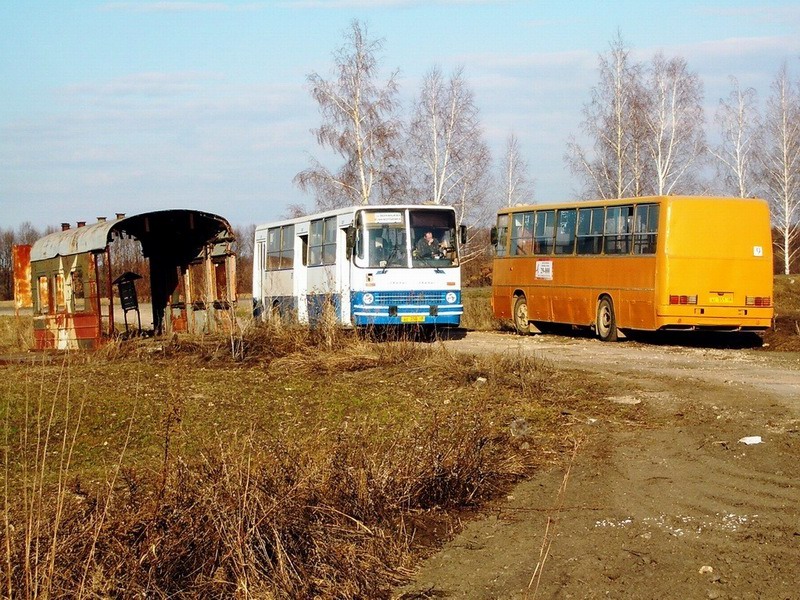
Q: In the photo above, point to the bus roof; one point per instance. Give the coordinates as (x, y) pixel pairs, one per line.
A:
(351, 210)
(623, 201)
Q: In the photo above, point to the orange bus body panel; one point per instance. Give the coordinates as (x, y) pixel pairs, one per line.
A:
(717, 250)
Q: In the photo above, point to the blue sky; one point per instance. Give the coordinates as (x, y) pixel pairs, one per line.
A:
(115, 106)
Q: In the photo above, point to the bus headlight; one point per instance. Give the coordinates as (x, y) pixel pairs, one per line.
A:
(368, 298)
(450, 297)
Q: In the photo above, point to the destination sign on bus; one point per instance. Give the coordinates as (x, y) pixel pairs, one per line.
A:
(383, 218)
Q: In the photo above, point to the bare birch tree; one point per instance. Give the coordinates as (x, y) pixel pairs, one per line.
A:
(607, 171)
(676, 139)
(738, 122)
(515, 182)
(445, 144)
(359, 124)
(472, 197)
(781, 163)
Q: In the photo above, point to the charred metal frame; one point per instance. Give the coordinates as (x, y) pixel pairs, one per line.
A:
(66, 283)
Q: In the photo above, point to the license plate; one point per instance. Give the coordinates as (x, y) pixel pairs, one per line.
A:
(717, 299)
(412, 319)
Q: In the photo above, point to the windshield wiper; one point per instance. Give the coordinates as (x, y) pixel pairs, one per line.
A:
(389, 258)
(435, 268)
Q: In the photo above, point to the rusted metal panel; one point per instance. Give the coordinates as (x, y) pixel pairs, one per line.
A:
(64, 331)
(91, 238)
(65, 303)
(21, 256)
(71, 281)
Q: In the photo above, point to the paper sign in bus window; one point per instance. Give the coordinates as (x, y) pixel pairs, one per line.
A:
(544, 269)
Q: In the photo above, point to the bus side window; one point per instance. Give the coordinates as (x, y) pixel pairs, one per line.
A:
(590, 230)
(287, 247)
(527, 233)
(565, 235)
(522, 234)
(329, 243)
(274, 249)
(618, 229)
(502, 235)
(315, 243)
(544, 231)
(646, 232)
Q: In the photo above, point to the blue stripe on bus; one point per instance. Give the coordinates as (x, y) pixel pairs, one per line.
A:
(407, 304)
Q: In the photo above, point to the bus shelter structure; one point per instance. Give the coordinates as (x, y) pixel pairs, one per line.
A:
(190, 263)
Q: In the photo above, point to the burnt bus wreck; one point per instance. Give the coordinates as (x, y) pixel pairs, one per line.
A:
(75, 289)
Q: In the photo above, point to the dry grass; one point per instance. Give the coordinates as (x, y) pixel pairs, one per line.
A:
(478, 313)
(306, 463)
(16, 334)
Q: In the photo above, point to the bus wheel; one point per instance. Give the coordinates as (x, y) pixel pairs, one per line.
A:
(521, 323)
(606, 321)
(275, 315)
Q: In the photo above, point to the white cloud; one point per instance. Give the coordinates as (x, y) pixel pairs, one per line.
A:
(735, 48)
(763, 14)
(572, 59)
(366, 4)
(166, 6)
(155, 140)
(146, 84)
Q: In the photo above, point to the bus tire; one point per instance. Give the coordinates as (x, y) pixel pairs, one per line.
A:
(275, 315)
(606, 321)
(521, 322)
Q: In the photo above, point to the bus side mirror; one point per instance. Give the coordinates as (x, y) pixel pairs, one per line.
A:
(350, 235)
(494, 236)
(463, 233)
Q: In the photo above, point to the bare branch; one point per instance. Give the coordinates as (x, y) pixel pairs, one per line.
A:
(358, 123)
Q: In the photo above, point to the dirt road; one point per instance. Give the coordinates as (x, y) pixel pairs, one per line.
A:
(678, 508)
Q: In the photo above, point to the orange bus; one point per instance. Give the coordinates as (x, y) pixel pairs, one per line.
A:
(650, 263)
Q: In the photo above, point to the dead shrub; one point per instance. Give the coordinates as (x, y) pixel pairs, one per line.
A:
(268, 519)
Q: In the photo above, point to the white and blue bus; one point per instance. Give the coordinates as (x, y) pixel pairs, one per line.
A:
(368, 263)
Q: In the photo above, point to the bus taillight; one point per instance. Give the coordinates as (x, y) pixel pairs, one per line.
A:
(677, 299)
(760, 301)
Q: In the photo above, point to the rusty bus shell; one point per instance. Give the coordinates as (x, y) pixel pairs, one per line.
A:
(192, 277)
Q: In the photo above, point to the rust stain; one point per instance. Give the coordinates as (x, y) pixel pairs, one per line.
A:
(72, 293)
(21, 254)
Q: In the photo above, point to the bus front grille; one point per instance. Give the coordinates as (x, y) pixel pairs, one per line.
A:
(410, 298)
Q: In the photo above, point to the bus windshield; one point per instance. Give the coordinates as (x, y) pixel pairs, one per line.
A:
(406, 238)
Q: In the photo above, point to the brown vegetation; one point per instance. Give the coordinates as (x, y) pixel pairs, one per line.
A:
(308, 463)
